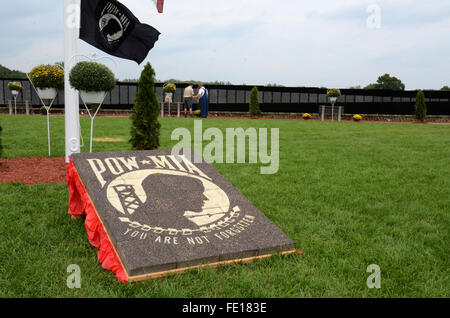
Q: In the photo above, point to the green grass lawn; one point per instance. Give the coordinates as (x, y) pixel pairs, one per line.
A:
(348, 194)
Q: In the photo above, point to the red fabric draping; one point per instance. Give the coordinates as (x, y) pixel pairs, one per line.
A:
(80, 204)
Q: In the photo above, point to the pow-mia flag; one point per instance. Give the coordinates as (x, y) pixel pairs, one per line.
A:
(111, 27)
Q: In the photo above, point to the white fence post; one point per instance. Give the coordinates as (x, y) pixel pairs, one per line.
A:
(71, 97)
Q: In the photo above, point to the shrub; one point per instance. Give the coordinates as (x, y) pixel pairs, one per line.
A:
(334, 92)
(306, 116)
(254, 109)
(15, 86)
(93, 108)
(169, 88)
(43, 110)
(145, 128)
(47, 76)
(421, 106)
(92, 77)
(357, 117)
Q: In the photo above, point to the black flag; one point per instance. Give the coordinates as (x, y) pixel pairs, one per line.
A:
(111, 27)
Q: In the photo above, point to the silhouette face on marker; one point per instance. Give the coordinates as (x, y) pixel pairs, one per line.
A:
(169, 197)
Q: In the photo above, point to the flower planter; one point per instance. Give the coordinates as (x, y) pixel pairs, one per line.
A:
(93, 80)
(92, 97)
(15, 88)
(357, 118)
(46, 93)
(169, 89)
(47, 79)
(168, 98)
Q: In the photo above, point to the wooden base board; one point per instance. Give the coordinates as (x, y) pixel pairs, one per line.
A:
(185, 269)
(171, 272)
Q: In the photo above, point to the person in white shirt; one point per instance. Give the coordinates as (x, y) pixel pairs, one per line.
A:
(202, 98)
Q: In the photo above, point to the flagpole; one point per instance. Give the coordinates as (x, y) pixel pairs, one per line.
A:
(71, 98)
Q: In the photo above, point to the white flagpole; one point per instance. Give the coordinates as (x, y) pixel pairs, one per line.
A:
(71, 99)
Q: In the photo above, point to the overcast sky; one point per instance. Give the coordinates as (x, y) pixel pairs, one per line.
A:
(291, 42)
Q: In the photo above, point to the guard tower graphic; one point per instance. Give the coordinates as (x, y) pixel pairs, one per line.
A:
(128, 198)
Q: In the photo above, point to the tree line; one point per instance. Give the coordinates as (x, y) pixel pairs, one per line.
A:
(7, 73)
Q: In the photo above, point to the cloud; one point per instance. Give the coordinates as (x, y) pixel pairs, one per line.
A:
(291, 42)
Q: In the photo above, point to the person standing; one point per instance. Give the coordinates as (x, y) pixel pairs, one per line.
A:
(202, 97)
(188, 96)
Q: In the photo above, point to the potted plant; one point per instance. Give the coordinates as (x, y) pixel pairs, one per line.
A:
(333, 94)
(15, 88)
(306, 116)
(47, 79)
(93, 80)
(169, 89)
(357, 117)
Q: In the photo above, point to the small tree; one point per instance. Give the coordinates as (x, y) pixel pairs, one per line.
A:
(420, 107)
(145, 128)
(254, 109)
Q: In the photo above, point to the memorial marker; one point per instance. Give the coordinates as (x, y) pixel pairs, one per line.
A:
(163, 214)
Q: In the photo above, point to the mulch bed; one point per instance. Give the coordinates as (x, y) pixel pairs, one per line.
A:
(33, 170)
